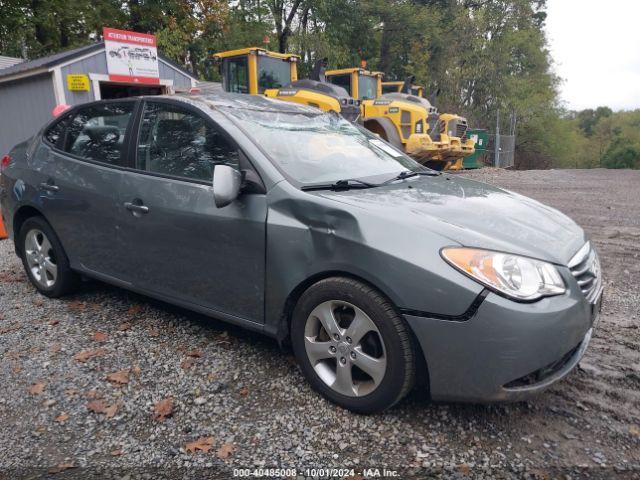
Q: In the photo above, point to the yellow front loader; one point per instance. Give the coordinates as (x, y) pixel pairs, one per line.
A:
(257, 71)
(402, 123)
(451, 128)
(396, 86)
(407, 120)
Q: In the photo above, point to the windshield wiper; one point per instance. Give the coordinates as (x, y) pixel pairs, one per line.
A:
(345, 184)
(412, 173)
(349, 183)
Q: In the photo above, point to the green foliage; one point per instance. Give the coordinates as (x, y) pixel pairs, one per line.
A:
(622, 154)
(478, 57)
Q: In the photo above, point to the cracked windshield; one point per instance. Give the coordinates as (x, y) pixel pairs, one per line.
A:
(321, 148)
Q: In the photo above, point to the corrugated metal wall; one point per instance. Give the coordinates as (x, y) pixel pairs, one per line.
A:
(25, 105)
(97, 63)
(180, 81)
(94, 64)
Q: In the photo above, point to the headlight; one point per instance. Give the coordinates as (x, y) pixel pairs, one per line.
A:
(517, 277)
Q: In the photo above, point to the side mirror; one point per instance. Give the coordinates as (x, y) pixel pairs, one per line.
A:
(226, 184)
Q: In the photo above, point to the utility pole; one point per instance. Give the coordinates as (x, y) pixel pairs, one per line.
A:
(497, 145)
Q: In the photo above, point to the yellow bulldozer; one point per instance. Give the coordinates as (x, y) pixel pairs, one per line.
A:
(413, 118)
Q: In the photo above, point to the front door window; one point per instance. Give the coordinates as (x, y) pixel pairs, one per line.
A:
(177, 142)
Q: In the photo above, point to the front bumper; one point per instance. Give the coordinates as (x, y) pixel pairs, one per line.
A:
(507, 351)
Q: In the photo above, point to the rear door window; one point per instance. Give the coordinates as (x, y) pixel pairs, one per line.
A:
(178, 142)
(97, 132)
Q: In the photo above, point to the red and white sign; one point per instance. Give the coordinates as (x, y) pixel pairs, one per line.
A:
(131, 57)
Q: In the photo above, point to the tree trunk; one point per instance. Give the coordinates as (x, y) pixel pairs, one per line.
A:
(39, 22)
(135, 19)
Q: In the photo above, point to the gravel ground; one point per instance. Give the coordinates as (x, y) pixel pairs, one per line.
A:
(89, 381)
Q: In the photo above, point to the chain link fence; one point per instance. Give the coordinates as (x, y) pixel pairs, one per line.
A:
(502, 157)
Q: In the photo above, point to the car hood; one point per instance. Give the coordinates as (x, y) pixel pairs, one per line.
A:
(471, 214)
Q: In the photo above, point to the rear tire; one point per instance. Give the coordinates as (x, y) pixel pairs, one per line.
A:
(385, 129)
(352, 345)
(44, 259)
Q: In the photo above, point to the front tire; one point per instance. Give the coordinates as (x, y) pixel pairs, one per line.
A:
(352, 345)
(44, 259)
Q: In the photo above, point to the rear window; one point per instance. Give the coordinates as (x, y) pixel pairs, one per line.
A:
(55, 132)
(97, 132)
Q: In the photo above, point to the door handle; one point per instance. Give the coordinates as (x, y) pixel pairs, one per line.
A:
(132, 207)
(49, 187)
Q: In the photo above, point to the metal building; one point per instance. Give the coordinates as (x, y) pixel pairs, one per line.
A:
(30, 90)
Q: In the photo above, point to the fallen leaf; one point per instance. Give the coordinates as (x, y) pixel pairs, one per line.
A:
(36, 388)
(137, 370)
(38, 302)
(124, 327)
(225, 450)
(99, 337)
(99, 406)
(86, 355)
(120, 377)
(464, 469)
(61, 468)
(91, 394)
(53, 323)
(163, 409)
(187, 363)
(194, 354)
(244, 392)
(55, 348)
(110, 411)
(77, 306)
(134, 310)
(633, 430)
(117, 453)
(153, 332)
(63, 417)
(203, 443)
(96, 406)
(9, 329)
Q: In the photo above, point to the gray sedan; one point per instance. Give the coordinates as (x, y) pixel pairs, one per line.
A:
(298, 224)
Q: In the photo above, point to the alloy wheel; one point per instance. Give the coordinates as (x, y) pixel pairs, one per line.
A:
(345, 348)
(41, 258)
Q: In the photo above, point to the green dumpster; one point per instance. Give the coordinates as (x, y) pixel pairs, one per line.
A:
(481, 137)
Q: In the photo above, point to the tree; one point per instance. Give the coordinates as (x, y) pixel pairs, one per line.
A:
(284, 12)
(622, 154)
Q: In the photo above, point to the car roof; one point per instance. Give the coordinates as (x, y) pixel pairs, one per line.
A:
(217, 99)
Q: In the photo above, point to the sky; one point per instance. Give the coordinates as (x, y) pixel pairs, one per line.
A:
(595, 46)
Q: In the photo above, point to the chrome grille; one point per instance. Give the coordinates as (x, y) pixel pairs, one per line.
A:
(585, 267)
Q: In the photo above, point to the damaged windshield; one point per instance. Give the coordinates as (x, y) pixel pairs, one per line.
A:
(312, 148)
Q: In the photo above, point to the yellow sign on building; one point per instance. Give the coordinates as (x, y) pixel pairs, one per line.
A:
(78, 82)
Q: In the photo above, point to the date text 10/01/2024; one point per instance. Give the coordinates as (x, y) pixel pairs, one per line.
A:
(315, 472)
